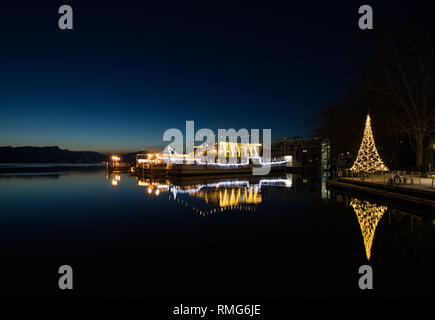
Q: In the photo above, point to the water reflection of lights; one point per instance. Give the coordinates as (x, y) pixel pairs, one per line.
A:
(221, 196)
(209, 211)
(228, 197)
(324, 191)
(369, 215)
(115, 179)
(235, 183)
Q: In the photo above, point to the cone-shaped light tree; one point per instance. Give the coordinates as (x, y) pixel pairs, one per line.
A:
(368, 215)
(368, 159)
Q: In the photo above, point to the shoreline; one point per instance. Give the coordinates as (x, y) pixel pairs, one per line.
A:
(55, 167)
(396, 194)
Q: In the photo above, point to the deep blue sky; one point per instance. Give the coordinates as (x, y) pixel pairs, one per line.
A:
(129, 71)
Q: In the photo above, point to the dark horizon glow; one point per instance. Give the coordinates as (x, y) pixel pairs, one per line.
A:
(127, 72)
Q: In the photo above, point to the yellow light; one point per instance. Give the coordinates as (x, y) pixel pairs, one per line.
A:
(118, 177)
(114, 182)
(150, 190)
(368, 159)
(368, 215)
(116, 158)
(157, 192)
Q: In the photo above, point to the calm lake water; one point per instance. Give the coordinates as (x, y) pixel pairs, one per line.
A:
(275, 237)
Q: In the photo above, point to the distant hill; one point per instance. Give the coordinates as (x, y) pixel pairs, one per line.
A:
(57, 155)
(48, 155)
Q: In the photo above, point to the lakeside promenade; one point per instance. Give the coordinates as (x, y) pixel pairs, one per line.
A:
(418, 191)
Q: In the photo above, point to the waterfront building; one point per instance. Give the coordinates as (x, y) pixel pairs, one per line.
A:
(313, 151)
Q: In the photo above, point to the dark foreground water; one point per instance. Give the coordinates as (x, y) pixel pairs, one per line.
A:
(243, 238)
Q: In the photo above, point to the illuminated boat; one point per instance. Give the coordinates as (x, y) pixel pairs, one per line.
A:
(149, 164)
(245, 158)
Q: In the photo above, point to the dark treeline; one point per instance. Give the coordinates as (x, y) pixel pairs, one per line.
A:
(396, 85)
(56, 155)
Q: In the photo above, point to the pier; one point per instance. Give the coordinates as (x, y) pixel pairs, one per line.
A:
(116, 166)
(421, 194)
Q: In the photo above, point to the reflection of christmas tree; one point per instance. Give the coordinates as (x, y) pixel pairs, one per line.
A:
(368, 215)
(368, 159)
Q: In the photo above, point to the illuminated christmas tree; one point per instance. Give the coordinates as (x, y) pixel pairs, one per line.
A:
(368, 159)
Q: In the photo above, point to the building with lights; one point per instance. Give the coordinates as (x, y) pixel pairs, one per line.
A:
(313, 151)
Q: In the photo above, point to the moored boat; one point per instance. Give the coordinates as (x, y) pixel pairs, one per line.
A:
(245, 160)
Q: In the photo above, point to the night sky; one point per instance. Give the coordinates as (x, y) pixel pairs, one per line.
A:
(130, 70)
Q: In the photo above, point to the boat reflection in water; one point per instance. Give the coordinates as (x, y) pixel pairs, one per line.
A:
(217, 194)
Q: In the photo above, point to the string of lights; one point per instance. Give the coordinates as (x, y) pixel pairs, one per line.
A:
(368, 159)
(368, 215)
